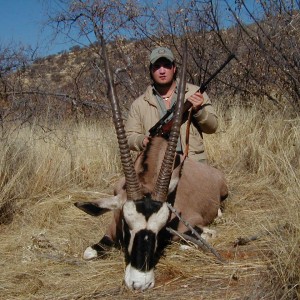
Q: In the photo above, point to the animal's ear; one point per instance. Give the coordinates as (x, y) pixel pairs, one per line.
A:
(101, 206)
(175, 178)
(91, 208)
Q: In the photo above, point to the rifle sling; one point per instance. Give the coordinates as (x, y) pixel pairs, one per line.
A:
(187, 135)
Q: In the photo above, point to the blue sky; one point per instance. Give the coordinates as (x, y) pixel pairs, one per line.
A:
(22, 22)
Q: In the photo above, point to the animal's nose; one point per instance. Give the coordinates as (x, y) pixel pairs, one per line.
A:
(139, 280)
(137, 286)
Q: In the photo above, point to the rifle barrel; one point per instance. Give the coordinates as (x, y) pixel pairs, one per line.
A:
(204, 85)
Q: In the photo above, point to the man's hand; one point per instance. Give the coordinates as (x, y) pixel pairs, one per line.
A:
(146, 141)
(197, 100)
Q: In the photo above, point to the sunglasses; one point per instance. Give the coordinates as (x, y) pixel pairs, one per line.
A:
(165, 65)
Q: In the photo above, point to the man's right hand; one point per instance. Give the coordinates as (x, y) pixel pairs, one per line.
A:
(146, 141)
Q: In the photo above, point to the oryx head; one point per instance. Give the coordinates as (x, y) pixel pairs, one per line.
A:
(144, 212)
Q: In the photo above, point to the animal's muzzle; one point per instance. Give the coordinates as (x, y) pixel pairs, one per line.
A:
(139, 280)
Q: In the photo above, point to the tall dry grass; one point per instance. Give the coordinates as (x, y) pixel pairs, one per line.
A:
(261, 149)
(44, 170)
(42, 160)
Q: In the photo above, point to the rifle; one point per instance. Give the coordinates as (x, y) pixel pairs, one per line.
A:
(163, 127)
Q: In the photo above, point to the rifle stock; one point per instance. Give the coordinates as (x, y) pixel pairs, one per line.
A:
(163, 127)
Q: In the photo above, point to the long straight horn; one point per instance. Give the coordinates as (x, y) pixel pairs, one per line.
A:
(162, 185)
(132, 184)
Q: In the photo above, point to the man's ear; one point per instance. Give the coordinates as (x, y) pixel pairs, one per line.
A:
(101, 206)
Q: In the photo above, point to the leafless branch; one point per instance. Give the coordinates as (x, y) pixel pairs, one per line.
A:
(200, 241)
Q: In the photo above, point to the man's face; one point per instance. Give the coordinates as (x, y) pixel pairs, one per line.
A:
(163, 71)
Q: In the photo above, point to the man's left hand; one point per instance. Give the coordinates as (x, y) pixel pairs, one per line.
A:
(197, 100)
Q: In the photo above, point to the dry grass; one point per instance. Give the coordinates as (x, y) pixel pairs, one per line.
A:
(43, 235)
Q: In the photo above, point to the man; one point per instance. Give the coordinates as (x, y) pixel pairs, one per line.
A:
(147, 109)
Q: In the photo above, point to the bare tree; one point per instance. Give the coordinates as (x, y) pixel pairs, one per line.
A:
(264, 38)
(266, 41)
(14, 108)
(99, 21)
(131, 35)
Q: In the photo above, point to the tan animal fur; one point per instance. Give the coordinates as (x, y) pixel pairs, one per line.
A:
(200, 190)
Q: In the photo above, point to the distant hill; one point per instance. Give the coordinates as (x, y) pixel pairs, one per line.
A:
(73, 82)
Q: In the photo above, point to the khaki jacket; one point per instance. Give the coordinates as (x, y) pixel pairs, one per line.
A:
(144, 114)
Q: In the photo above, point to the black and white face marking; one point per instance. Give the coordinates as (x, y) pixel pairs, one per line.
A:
(142, 222)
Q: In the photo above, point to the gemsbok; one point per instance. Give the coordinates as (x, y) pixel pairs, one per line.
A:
(157, 177)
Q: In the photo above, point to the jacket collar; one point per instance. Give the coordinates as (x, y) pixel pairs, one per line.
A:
(150, 97)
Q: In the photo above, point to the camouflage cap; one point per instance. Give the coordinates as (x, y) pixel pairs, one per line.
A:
(160, 52)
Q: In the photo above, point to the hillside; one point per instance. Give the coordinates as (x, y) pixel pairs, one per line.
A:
(73, 83)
